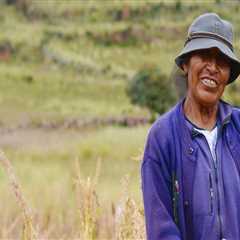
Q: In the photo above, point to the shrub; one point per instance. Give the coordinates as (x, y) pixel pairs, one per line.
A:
(151, 88)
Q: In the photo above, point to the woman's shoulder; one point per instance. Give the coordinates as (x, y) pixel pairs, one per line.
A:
(164, 123)
(236, 115)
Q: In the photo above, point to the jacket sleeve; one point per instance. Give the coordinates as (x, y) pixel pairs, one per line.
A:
(157, 194)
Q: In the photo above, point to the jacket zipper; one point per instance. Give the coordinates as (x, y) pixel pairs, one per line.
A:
(215, 162)
(211, 193)
(218, 192)
(175, 190)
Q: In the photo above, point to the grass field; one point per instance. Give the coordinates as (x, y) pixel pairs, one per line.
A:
(39, 163)
(68, 59)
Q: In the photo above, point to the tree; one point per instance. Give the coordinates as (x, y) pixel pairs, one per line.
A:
(150, 88)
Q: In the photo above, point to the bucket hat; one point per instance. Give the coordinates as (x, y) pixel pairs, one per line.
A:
(208, 31)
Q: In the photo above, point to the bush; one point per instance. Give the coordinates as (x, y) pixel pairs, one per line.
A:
(151, 88)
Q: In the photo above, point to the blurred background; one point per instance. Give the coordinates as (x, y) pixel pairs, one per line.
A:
(81, 82)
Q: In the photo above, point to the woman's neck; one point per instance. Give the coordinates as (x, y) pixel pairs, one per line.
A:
(201, 115)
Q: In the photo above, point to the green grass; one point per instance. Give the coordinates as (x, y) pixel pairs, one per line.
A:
(47, 90)
(39, 167)
(48, 176)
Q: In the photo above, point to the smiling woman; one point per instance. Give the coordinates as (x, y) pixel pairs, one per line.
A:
(191, 163)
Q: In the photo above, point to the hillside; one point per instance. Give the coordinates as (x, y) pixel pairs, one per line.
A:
(62, 59)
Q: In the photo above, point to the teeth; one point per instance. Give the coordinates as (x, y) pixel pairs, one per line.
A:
(209, 82)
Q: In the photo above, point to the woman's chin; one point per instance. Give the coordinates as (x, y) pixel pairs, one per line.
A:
(210, 102)
(208, 99)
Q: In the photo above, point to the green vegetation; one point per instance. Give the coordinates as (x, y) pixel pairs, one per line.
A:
(67, 60)
(149, 88)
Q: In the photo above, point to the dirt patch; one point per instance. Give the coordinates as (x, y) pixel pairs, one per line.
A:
(40, 139)
(50, 135)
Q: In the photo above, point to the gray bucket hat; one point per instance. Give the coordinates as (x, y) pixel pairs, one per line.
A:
(208, 31)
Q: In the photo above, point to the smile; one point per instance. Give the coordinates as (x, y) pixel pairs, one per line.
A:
(209, 83)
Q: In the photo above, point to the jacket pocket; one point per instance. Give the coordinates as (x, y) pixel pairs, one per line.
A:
(203, 195)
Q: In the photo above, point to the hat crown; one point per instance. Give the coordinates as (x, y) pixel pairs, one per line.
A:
(211, 23)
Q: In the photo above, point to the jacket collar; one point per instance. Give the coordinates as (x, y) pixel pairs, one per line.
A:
(223, 118)
(224, 112)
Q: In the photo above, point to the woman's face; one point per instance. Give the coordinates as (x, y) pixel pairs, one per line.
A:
(208, 72)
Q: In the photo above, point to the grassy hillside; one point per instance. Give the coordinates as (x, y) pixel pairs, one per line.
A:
(74, 58)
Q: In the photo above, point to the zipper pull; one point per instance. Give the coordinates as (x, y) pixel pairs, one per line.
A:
(177, 186)
(211, 192)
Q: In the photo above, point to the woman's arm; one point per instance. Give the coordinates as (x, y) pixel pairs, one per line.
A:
(157, 192)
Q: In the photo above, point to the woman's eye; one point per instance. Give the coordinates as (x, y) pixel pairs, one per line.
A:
(223, 61)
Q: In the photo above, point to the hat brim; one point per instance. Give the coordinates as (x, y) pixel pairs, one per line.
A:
(206, 43)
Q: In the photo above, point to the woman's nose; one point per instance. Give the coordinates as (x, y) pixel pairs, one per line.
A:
(212, 64)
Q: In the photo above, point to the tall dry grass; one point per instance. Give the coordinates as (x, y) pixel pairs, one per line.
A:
(90, 219)
(87, 204)
(28, 231)
(129, 218)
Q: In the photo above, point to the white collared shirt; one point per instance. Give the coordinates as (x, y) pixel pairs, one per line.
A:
(211, 137)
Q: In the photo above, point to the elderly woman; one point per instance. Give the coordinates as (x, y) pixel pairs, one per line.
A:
(191, 164)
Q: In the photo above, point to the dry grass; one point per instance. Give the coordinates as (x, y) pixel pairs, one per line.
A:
(129, 217)
(87, 204)
(89, 219)
(28, 231)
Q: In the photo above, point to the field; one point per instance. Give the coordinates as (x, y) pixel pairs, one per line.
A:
(64, 69)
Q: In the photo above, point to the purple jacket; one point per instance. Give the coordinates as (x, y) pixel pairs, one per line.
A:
(187, 195)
